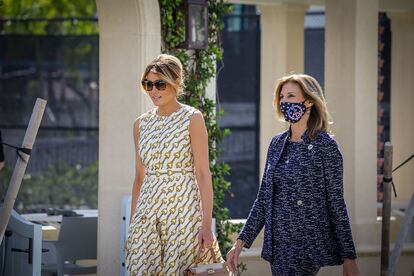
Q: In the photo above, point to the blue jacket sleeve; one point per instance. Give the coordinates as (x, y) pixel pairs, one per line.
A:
(333, 169)
(256, 218)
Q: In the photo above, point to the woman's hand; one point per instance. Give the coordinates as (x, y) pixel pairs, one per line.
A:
(233, 256)
(350, 268)
(205, 237)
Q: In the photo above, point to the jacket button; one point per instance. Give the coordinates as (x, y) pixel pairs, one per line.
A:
(299, 202)
(310, 147)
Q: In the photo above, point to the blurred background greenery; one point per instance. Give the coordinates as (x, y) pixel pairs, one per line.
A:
(61, 186)
(50, 50)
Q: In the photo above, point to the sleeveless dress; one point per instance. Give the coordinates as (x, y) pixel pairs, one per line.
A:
(163, 234)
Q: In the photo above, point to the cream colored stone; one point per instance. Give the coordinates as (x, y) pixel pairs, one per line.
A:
(129, 38)
(402, 99)
(282, 51)
(351, 92)
(272, 2)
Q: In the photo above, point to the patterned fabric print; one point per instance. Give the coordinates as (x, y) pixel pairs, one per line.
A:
(163, 233)
(289, 216)
(305, 269)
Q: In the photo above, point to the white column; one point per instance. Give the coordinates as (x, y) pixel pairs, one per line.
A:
(129, 37)
(402, 100)
(351, 92)
(282, 51)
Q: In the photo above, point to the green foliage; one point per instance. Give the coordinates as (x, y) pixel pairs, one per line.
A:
(29, 11)
(61, 186)
(62, 60)
(200, 69)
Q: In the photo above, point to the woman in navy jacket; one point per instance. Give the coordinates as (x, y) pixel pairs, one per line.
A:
(300, 202)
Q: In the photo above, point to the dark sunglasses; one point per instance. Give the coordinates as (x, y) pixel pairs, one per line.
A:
(149, 85)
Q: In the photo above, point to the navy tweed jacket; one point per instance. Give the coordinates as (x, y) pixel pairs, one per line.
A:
(325, 231)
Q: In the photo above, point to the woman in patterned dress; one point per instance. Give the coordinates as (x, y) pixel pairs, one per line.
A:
(300, 201)
(172, 196)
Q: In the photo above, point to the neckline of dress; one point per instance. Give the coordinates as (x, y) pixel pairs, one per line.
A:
(169, 115)
(296, 142)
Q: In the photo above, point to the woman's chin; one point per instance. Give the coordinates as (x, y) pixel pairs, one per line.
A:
(156, 102)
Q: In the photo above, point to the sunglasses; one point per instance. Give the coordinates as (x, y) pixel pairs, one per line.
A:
(149, 85)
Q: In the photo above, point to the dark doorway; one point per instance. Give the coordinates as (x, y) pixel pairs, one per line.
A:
(238, 85)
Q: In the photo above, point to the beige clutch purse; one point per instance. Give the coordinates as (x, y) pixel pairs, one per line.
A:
(215, 269)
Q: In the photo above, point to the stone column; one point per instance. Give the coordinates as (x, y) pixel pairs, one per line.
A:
(129, 37)
(282, 51)
(402, 99)
(351, 92)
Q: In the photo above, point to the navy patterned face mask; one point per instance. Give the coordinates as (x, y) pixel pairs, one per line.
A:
(293, 112)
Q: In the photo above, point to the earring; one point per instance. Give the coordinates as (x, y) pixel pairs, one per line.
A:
(308, 110)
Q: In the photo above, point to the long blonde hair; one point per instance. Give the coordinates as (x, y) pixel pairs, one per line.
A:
(169, 69)
(312, 91)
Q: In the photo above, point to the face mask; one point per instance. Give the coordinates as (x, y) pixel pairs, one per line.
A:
(293, 112)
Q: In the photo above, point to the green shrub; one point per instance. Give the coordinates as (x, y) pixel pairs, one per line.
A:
(61, 186)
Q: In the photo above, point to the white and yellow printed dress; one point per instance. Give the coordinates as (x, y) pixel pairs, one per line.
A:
(163, 234)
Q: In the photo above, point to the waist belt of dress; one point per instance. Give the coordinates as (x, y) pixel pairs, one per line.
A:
(169, 172)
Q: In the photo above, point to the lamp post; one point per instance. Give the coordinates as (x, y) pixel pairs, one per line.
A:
(196, 24)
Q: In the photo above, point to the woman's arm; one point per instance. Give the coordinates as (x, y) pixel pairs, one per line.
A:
(199, 146)
(233, 255)
(139, 171)
(256, 219)
(333, 169)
